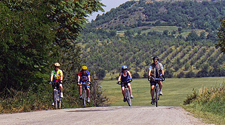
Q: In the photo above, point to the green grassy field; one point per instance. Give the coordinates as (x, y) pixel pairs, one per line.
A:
(175, 90)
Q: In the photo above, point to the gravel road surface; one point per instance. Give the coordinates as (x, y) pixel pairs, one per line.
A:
(135, 115)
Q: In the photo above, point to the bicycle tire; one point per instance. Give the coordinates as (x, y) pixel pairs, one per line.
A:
(128, 96)
(55, 98)
(84, 97)
(60, 103)
(156, 95)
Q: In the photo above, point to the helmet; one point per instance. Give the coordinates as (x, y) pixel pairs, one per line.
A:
(84, 67)
(155, 58)
(124, 67)
(57, 64)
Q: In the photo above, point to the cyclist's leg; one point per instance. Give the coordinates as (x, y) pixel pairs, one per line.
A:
(123, 88)
(88, 92)
(61, 90)
(152, 88)
(80, 89)
(53, 94)
(130, 89)
(160, 87)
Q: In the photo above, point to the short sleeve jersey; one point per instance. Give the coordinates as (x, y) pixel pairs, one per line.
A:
(155, 66)
(151, 68)
(84, 76)
(57, 74)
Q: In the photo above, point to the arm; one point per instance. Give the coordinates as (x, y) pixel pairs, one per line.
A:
(78, 81)
(119, 78)
(61, 76)
(162, 71)
(51, 77)
(89, 77)
(129, 74)
(149, 73)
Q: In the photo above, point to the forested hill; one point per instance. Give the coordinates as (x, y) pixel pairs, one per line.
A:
(182, 34)
(201, 15)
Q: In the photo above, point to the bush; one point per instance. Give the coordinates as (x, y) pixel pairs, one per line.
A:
(180, 75)
(135, 75)
(190, 74)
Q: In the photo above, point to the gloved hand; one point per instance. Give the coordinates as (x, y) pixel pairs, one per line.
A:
(50, 82)
(117, 82)
(61, 82)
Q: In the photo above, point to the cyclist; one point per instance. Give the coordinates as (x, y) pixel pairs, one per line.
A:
(156, 70)
(124, 76)
(57, 76)
(84, 76)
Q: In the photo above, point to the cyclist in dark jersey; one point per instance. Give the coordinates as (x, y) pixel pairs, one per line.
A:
(84, 76)
(156, 70)
(124, 76)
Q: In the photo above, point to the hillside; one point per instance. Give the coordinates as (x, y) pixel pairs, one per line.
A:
(182, 34)
(142, 14)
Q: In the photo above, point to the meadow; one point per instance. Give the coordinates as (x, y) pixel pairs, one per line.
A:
(175, 90)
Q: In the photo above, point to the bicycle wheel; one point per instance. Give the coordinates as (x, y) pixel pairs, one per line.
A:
(128, 96)
(60, 103)
(55, 98)
(84, 97)
(156, 95)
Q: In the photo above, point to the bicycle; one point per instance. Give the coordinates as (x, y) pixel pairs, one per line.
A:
(56, 92)
(84, 92)
(127, 92)
(156, 89)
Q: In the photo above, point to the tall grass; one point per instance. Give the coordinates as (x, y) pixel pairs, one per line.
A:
(39, 97)
(208, 104)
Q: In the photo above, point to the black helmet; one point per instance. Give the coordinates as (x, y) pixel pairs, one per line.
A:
(155, 58)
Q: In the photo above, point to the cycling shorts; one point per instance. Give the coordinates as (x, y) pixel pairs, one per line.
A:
(57, 80)
(86, 86)
(123, 84)
(154, 82)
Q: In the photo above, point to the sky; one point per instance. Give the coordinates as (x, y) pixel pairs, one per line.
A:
(109, 5)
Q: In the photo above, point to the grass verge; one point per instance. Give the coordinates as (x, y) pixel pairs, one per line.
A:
(208, 104)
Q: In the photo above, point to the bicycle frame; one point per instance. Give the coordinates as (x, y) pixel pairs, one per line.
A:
(127, 92)
(57, 99)
(156, 89)
(84, 93)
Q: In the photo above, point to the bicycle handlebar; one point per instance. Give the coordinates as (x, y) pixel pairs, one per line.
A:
(128, 81)
(84, 83)
(157, 79)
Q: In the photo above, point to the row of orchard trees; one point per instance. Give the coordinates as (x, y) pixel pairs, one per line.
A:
(36, 33)
(178, 55)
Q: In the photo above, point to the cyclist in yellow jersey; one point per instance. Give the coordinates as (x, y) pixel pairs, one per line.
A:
(57, 76)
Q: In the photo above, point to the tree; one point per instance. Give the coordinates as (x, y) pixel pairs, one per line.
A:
(221, 35)
(100, 73)
(26, 44)
(192, 36)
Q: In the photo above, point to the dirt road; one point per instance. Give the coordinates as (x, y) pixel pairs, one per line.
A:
(104, 116)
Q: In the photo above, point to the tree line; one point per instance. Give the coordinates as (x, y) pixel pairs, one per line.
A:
(34, 35)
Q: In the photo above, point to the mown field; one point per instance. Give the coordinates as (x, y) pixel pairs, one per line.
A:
(175, 90)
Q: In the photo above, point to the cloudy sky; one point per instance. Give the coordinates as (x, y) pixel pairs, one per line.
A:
(109, 5)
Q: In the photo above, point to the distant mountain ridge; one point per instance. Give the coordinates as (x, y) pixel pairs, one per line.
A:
(198, 14)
